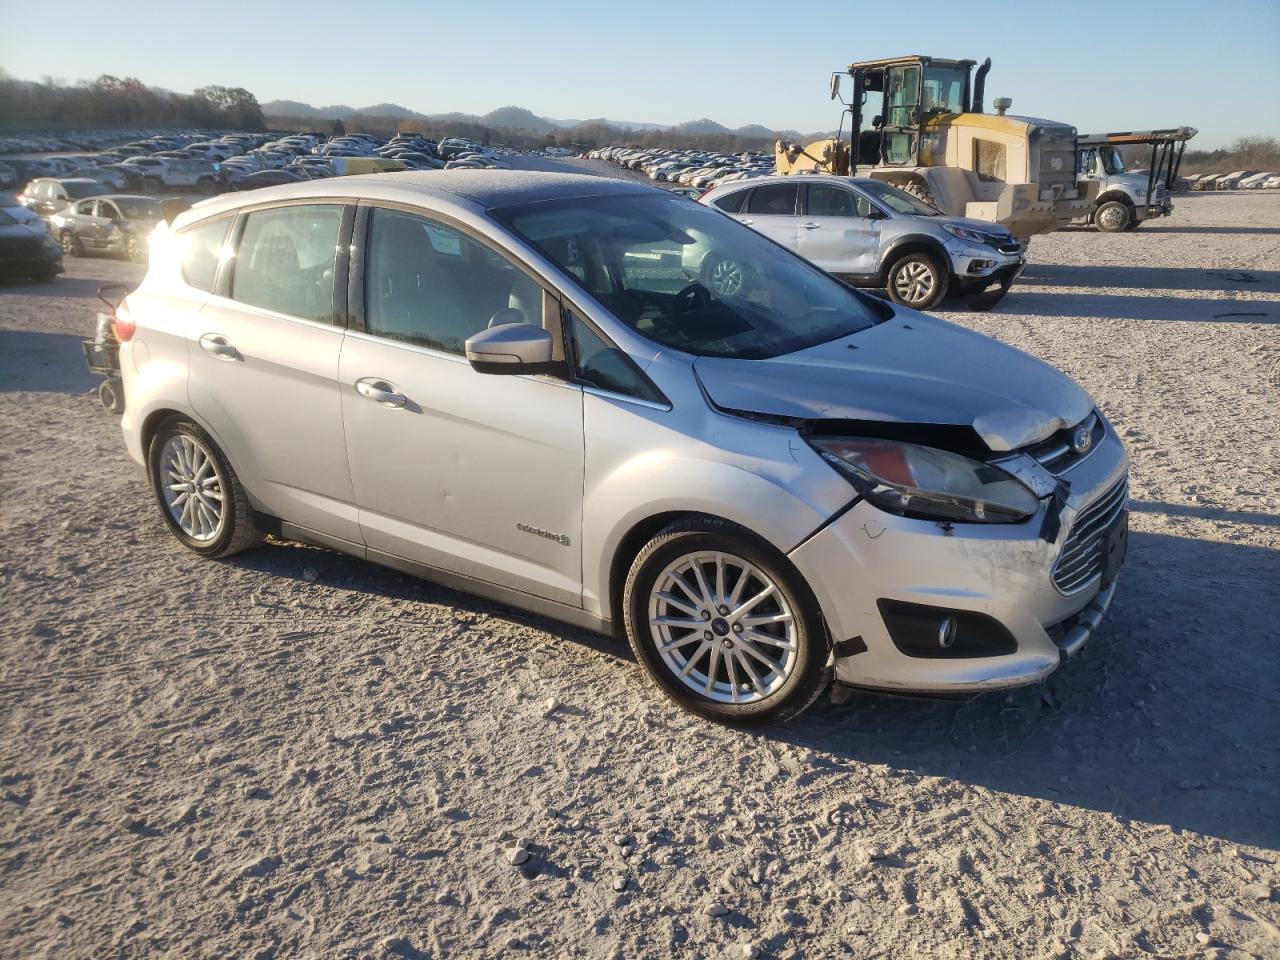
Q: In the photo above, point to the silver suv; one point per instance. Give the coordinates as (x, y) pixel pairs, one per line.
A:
(871, 234)
(509, 383)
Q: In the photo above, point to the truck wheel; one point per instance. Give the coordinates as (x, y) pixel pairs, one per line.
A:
(206, 187)
(1113, 216)
(70, 244)
(920, 191)
(917, 280)
(151, 185)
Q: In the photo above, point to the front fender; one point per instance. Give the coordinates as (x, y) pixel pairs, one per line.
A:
(761, 476)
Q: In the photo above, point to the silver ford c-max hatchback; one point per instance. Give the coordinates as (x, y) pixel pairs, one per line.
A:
(516, 384)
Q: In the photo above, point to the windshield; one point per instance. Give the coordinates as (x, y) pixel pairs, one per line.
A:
(690, 278)
(943, 89)
(139, 209)
(897, 200)
(1112, 162)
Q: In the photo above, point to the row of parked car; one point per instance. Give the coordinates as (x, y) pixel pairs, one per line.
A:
(109, 201)
(1239, 180)
(698, 169)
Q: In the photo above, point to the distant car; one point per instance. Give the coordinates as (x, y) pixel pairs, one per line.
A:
(693, 193)
(868, 234)
(27, 250)
(46, 196)
(112, 224)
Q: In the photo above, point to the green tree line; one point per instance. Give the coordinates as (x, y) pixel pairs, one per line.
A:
(29, 106)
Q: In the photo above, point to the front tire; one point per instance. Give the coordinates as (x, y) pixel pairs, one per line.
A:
(201, 499)
(206, 187)
(917, 280)
(724, 625)
(70, 244)
(135, 250)
(150, 185)
(1113, 216)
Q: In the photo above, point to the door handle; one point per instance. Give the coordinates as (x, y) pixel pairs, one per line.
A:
(746, 221)
(380, 392)
(218, 345)
(812, 226)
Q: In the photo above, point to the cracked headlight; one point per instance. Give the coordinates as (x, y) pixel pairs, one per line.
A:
(910, 479)
(973, 236)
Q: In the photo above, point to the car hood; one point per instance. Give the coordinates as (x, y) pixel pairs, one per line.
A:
(911, 369)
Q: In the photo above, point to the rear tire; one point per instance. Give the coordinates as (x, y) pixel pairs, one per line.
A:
(745, 660)
(1113, 216)
(150, 185)
(71, 246)
(917, 280)
(200, 497)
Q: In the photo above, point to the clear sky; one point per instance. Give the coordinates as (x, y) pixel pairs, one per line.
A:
(1098, 65)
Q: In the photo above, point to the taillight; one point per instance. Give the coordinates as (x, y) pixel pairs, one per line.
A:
(123, 326)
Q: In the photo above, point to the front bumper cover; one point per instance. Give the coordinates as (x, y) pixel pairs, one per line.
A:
(1001, 571)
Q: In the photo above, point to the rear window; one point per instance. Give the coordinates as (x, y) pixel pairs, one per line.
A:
(285, 260)
(199, 250)
(731, 203)
(775, 199)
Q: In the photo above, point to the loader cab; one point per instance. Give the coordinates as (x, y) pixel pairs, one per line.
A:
(894, 102)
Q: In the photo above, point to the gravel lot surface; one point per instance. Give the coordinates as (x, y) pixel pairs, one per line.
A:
(296, 754)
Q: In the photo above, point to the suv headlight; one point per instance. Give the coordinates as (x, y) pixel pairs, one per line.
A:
(974, 236)
(911, 479)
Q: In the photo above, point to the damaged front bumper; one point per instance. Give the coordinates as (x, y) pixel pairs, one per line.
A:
(884, 582)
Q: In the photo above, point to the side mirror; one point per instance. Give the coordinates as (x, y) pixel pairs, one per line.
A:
(835, 86)
(510, 348)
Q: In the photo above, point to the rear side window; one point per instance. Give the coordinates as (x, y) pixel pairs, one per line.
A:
(199, 248)
(775, 199)
(286, 259)
(733, 202)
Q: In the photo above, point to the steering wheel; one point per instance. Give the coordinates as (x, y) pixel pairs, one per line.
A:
(693, 297)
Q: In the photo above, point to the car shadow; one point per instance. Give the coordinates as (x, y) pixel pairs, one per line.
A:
(1166, 716)
(43, 363)
(288, 559)
(1150, 278)
(1205, 513)
(1107, 306)
(63, 286)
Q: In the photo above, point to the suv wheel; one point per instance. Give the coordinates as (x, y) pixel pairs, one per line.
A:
(70, 244)
(724, 277)
(200, 496)
(724, 625)
(1113, 216)
(917, 280)
(206, 187)
(151, 185)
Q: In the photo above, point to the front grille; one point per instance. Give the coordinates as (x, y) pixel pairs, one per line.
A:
(1080, 562)
(1054, 453)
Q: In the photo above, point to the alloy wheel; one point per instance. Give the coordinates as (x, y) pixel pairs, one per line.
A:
(723, 627)
(914, 282)
(192, 487)
(726, 278)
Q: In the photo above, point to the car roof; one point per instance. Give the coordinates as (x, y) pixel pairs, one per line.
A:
(485, 189)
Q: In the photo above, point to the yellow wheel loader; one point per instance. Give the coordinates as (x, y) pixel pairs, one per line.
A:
(918, 123)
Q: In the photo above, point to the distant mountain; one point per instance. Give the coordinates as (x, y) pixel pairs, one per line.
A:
(517, 118)
(700, 126)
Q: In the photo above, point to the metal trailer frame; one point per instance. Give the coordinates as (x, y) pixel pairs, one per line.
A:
(1167, 148)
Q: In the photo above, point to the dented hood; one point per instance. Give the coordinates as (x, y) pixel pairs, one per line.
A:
(911, 369)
